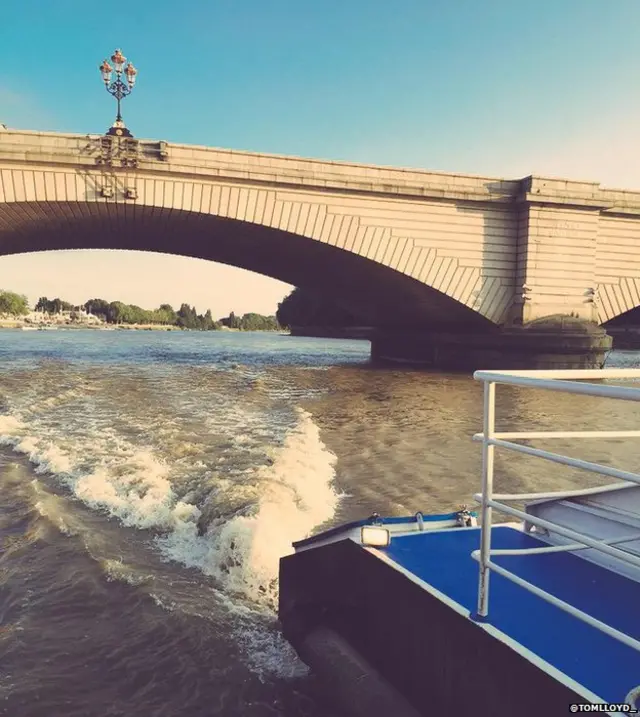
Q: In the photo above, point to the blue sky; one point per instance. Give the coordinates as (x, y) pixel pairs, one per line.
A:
(492, 87)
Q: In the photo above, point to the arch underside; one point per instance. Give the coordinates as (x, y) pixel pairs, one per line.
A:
(630, 317)
(380, 295)
(619, 302)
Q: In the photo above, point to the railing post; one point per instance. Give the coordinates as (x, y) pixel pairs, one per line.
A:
(487, 494)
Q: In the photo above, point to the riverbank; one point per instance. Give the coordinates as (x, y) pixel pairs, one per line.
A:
(18, 324)
(9, 324)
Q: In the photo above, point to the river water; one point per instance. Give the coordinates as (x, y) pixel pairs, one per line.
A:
(149, 482)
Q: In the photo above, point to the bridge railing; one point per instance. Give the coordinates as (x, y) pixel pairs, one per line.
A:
(565, 382)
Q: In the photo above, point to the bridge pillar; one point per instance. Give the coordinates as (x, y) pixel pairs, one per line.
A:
(556, 342)
(555, 262)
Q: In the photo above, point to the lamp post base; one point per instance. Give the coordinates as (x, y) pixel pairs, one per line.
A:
(119, 130)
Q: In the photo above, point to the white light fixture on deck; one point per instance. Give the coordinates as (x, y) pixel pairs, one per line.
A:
(375, 536)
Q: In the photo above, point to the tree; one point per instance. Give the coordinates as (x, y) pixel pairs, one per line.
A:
(257, 322)
(53, 306)
(117, 313)
(166, 314)
(98, 307)
(14, 304)
(186, 317)
(208, 322)
(56, 306)
(43, 305)
(307, 308)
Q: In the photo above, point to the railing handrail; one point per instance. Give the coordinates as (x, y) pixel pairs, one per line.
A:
(563, 548)
(565, 460)
(567, 533)
(561, 380)
(557, 494)
(566, 384)
(570, 374)
(527, 435)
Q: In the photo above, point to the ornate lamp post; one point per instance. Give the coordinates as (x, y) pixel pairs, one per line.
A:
(118, 88)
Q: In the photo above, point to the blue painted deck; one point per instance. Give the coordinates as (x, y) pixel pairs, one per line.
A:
(600, 663)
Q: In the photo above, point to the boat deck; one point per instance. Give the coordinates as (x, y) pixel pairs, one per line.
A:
(601, 664)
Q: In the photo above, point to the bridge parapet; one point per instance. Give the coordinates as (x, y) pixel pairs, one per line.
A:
(550, 191)
(87, 150)
(186, 160)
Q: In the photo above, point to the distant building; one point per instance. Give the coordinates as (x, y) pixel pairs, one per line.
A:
(75, 316)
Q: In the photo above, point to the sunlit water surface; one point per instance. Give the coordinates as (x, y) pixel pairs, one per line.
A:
(150, 481)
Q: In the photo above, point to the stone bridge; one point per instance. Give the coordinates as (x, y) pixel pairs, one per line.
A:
(412, 251)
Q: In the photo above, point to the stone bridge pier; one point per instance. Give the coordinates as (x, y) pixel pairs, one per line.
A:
(575, 265)
(559, 342)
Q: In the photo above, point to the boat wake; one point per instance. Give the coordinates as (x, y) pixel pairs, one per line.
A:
(295, 494)
(231, 521)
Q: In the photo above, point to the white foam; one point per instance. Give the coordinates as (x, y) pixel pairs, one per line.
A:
(138, 493)
(266, 651)
(120, 571)
(129, 484)
(168, 605)
(295, 495)
(50, 507)
(9, 427)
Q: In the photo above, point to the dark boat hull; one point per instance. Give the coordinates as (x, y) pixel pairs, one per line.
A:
(341, 606)
(355, 685)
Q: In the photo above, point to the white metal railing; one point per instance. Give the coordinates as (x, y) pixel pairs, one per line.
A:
(564, 381)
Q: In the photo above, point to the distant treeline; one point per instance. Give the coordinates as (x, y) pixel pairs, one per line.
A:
(116, 312)
(300, 308)
(307, 308)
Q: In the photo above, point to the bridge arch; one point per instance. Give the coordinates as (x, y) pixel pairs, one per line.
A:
(378, 293)
(617, 266)
(444, 241)
(619, 301)
(631, 317)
